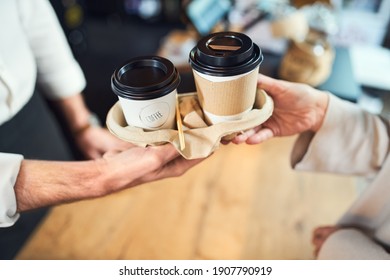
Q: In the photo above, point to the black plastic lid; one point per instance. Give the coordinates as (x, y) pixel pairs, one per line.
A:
(144, 78)
(225, 54)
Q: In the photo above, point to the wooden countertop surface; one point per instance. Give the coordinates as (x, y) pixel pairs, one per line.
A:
(244, 202)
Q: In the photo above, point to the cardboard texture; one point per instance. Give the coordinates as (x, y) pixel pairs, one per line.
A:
(228, 97)
(201, 140)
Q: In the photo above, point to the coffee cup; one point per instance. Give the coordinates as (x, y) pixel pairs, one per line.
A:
(146, 87)
(225, 67)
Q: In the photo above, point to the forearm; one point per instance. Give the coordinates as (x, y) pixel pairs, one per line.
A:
(44, 183)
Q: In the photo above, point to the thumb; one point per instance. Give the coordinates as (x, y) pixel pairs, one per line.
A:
(166, 152)
(272, 86)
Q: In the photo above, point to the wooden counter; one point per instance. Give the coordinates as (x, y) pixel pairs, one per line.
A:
(244, 202)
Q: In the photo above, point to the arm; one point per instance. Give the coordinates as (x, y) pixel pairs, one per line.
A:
(335, 135)
(45, 183)
(93, 141)
(61, 78)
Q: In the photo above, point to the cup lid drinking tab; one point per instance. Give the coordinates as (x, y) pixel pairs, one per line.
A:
(225, 54)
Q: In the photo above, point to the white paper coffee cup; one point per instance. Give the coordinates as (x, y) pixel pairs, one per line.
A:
(158, 113)
(146, 88)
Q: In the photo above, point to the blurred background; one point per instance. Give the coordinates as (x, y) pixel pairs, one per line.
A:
(105, 33)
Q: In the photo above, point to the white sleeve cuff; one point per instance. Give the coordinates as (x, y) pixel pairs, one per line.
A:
(9, 169)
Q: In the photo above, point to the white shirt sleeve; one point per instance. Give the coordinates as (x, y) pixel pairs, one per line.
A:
(59, 74)
(9, 169)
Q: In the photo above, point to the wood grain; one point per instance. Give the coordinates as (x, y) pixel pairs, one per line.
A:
(244, 202)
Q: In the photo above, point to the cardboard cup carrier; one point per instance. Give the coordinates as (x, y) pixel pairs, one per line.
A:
(227, 100)
(146, 87)
(225, 67)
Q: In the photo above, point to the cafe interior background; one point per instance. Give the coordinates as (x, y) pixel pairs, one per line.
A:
(244, 202)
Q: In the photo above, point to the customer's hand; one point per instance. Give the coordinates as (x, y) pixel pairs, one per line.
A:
(297, 108)
(320, 235)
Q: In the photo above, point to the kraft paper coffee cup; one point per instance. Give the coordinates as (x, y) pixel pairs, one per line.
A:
(146, 87)
(225, 67)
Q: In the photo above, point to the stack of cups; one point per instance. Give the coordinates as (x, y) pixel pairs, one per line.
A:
(146, 88)
(225, 67)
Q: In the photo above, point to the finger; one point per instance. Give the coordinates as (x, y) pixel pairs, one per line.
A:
(265, 82)
(165, 153)
(115, 144)
(242, 137)
(271, 86)
(177, 167)
(181, 165)
(120, 144)
(261, 136)
(110, 153)
(320, 234)
(93, 154)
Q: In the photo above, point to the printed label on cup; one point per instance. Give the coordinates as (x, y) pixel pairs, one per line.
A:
(152, 114)
(155, 115)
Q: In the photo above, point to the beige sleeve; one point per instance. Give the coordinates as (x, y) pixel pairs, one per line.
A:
(350, 141)
(351, 244)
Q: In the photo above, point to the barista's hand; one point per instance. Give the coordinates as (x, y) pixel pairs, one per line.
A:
(138, 165)
(45, 183)
(297, 108)
(93, 142)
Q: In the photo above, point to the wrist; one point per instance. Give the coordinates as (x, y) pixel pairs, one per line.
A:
(321, 107)
(91, 121)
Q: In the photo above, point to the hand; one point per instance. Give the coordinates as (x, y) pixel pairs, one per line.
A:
(138, 165)
(93, 142)
(297, 108)
(320, 235)
(45, 183)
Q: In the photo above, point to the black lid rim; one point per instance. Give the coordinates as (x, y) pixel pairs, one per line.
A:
(156, 61)
(152, 91)
(148, 95)
(224, 71)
